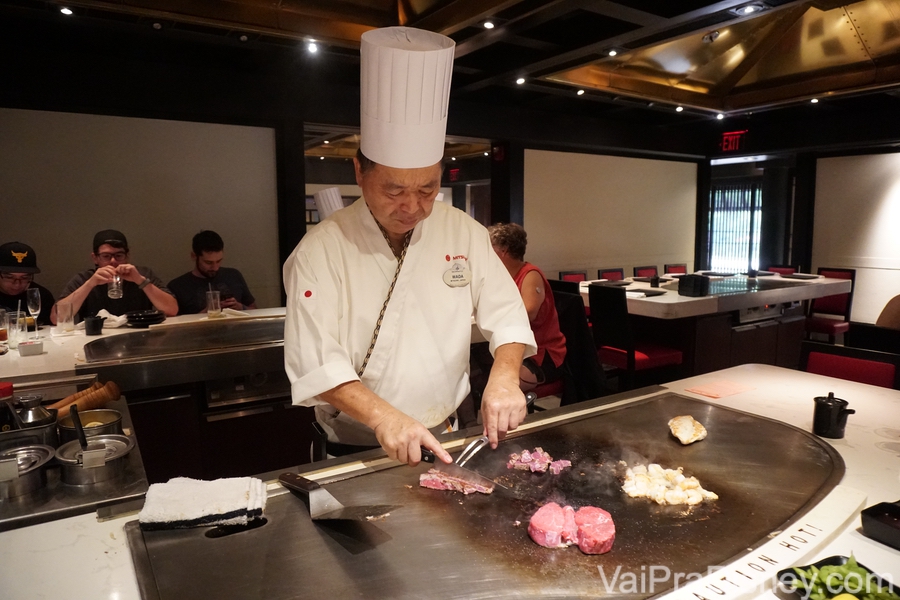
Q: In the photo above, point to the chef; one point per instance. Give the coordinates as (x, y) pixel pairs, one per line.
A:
(380, 295)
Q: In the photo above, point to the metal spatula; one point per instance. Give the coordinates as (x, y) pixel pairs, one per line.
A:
(323, 506)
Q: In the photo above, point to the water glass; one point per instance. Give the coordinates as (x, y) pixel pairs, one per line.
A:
(17, 329)
(4, 326)
(213, 304)
(114, 287)
(65, 320)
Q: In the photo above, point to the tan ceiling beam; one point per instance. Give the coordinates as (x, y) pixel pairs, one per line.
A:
(786, 19)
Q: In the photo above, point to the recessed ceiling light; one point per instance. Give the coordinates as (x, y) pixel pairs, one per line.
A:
(312, 47)
(679, 108)
(487, 154)
(748, 9)
(613, 52)
(520, 80)
(452, 158)
(814, 101)
(243, 38)
(326, 142)
(488, 24)
(720, 116)
(157, 26)
(66, 11)
(580, 92)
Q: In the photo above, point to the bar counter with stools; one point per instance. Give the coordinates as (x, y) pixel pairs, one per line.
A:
(741, 320)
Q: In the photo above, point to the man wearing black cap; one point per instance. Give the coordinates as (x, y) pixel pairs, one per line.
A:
(18, 264)
(141, 288)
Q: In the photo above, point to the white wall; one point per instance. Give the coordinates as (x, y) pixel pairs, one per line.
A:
(857, 226)
(586, 211)
(65, 176)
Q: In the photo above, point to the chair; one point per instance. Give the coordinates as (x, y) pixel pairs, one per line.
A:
(890, 314)
(822, 310)
(611, 274)
(675, 268)
(573, 275)
(784, 269)
(558, 285)
(853, 364)
(582, 377)
(649, 271)
(873, 337)
(614, 340)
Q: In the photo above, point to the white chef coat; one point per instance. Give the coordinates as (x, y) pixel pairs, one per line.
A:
(337, 279)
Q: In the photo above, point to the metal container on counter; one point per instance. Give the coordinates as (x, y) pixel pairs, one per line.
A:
(79, 468)
(22, 470)
(95, 422)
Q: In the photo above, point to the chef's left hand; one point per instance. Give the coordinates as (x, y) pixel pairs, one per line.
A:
(502, 409)
(130, 273)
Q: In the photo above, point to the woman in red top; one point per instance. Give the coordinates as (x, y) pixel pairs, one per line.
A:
(509, 241)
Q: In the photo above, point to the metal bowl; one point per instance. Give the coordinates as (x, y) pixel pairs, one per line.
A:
(95, 422)
(74, 472)
(29, 470)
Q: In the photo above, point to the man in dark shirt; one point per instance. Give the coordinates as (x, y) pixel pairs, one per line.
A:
(141, 288)
(18, 264)
(207, 252)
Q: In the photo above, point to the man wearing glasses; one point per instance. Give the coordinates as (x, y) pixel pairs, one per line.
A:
(18, 264)
(141, 288)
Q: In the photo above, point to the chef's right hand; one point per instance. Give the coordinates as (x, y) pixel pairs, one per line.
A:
(402, 437)
(102, 275)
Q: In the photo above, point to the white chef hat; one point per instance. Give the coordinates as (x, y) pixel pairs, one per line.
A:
(405, 90)
(328, 201)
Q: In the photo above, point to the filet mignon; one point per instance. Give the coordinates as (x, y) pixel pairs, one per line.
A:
(553, 526)
(596, 530)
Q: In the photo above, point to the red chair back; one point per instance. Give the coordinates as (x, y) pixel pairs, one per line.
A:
(573, 275)
(852, 369)
(838, 304)
(783, 269)
(679, 268)
(649, 271)
(615, 274)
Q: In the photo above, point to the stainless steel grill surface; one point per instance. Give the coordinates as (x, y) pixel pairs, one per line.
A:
(445, 545)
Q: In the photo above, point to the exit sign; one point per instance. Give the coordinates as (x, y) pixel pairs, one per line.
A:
(733, 141)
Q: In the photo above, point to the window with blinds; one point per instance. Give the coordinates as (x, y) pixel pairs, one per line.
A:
(735, 211)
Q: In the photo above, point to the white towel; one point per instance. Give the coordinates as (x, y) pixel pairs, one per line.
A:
(183, 502)
(635, 294)
(112, 321)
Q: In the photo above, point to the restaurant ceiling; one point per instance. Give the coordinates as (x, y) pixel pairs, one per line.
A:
(706, 56)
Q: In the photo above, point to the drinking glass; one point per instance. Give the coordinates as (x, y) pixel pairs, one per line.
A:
(18, 329)
(213, 304)
(4, 326)
(114, 288)
(33, 297)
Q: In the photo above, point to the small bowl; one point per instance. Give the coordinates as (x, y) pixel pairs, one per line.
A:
(31, 348)
(785, 577)
(881, 522)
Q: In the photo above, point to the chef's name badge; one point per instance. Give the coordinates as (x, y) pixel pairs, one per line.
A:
(457, 276)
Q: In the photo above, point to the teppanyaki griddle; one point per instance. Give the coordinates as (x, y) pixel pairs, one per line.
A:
(445, 545)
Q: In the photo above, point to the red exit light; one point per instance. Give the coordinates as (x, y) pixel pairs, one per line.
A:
(454, 174)
(733, 141)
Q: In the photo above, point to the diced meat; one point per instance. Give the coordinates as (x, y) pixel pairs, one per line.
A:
(553, 526)
(536, 461)
(596, 530)
(438, 480)
(557, 466)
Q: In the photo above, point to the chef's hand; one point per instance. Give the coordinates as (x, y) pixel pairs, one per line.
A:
(102, 276)
(130, 273)
(502, 410)
(503, 403)
(402, 438)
